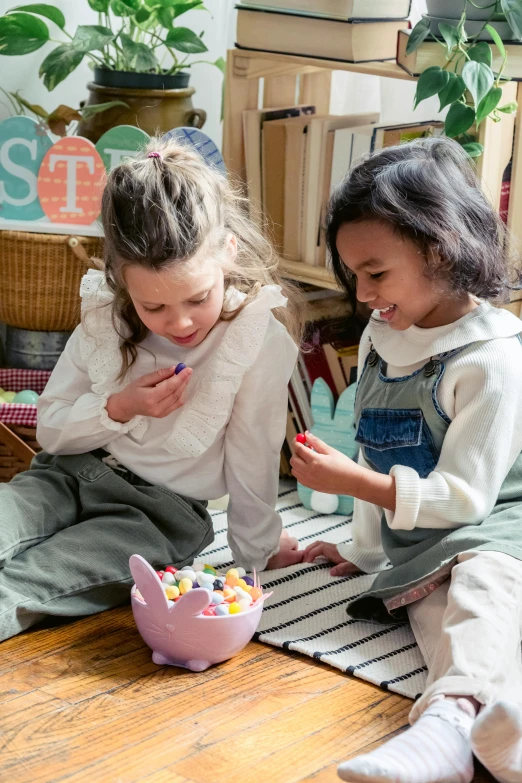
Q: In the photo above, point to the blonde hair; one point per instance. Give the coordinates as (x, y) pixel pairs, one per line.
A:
(160, 210)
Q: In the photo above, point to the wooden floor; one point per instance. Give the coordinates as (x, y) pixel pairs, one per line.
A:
(84, 702)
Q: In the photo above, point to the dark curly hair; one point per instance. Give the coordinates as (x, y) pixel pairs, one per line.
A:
(428, 192)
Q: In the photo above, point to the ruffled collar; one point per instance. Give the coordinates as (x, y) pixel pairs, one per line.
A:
(209, 407)
(413, 345)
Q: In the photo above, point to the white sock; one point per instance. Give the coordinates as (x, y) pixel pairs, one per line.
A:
(496, 739)
(437, 749)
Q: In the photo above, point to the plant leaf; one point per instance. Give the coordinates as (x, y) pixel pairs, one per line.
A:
(21, 34)
(101, 6)
(125, 7)
(452, 91)
(139, 56)
(473, 148)
(165, 17)
(478, 78)
(34, 107)
(513, 12)
(508, 108)
(181, 8)
(184, 40)
(142, 15)
(59, 64)
(431, 81)
(459, 118)
(59, 119)
(417, 35)
(450, 34)
(89, 37)
(97, 108)
(488, 103)
(497, 40)
(481, 53)
(42, 9)
(221, 64)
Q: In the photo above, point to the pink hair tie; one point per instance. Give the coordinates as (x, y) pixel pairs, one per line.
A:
(154, 155)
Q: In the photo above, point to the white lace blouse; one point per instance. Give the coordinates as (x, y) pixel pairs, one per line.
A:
(226, 438)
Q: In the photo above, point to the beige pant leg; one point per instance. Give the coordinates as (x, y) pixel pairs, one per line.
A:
(469, 631)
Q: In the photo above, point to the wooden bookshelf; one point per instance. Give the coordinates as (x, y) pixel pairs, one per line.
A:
(289, 79)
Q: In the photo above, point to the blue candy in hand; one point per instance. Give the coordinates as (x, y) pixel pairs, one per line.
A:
(179, 368)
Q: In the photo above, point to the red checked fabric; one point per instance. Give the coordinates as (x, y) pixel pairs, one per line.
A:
(18, 380)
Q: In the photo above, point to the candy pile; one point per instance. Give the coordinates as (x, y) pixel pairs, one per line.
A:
(231, 593)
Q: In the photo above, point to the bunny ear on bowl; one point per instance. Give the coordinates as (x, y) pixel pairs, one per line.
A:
(192, 603)
(148, 583)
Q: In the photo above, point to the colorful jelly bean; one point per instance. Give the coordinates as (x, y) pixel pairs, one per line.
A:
(232, 593)
(185, 585)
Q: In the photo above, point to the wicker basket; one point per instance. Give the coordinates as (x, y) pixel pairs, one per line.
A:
(18, 443)
(40, 280)
(18, 446)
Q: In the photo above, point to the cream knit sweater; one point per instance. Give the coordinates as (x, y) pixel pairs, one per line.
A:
(481, 392)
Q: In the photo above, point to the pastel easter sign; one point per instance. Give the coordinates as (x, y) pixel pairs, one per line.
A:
(335, 425)
(192, 137)
(123, 141)
(23, 145)
(64, 181)
(71, 181)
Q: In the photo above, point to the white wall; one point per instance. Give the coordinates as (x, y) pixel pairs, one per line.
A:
(353, 92)
(350, 93)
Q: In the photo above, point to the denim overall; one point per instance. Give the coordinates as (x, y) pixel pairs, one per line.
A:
(399, 421)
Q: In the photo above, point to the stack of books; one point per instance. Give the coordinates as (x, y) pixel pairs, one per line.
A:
(346, 30)
(294, 158)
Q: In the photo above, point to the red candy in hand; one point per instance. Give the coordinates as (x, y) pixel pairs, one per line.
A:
(301, 438)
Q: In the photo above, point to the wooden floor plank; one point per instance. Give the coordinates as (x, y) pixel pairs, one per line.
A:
(83, 703)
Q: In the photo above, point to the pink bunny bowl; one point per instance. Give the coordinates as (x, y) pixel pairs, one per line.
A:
(179, 635)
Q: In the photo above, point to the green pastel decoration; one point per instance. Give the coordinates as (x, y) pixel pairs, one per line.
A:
(334, 424)
(26, 397)
(123, 141)
(23, 145)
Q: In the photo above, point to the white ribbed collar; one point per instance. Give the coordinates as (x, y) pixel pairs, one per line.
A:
(415, 344)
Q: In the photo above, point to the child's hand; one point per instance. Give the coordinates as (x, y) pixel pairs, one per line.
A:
(324, 549)
(288, 554)
(324, 469)
(156, 395)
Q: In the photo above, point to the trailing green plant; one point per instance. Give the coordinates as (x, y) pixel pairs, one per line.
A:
(61, 120)
(467, 83)
(131, 35)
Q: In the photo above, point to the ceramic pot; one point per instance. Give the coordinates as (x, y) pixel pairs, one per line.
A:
(156, 103)
(452, 9)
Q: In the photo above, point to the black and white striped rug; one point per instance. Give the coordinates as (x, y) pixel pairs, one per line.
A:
(307, 612)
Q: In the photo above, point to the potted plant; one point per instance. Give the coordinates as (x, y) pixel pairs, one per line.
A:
(467, 83)
(140, 55)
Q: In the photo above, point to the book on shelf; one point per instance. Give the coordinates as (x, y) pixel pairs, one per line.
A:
(295, 180)
(319, 152)
(281, 140)
(342, 361)
(309, 36)
(337, 9)
(253, 122)
(431, 53)
(318, 160)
